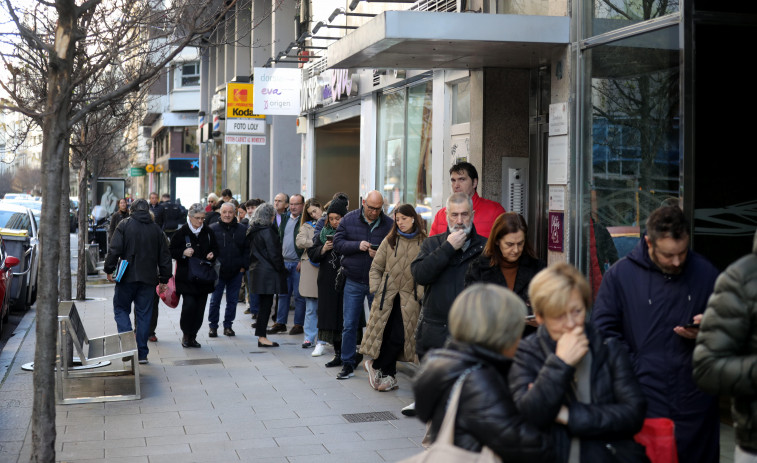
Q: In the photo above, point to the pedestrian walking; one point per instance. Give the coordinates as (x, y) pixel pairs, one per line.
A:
(309, 270)
(192, 241)
(233, 254)
(267, 270)
(390, 334)
(139, 241)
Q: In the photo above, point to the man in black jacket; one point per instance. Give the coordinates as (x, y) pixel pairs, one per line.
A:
(441, 267)
(233, 254)
(141, 242)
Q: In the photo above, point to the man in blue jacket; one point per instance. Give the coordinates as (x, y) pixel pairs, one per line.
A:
(653, 300)
(357, 238)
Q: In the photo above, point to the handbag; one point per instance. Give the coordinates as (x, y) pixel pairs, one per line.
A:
(658, 436)
(443, 450)
(169, 297)
(200, 271)
(626, 451)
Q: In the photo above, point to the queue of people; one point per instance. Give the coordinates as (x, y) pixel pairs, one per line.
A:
(544, 372)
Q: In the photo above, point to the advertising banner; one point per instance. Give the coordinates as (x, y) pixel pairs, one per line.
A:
(277, 91)
(239, 101)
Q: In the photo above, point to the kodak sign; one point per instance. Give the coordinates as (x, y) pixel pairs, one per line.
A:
(239, 101)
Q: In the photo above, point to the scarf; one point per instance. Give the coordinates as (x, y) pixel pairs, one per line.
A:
(407, 235)
(194, 230)
(326, 231)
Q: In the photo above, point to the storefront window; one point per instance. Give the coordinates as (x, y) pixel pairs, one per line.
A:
(608, 15)
(236, 170)
(632, 149)
(404, 148)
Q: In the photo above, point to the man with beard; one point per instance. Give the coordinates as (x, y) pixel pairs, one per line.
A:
(653, 300)
(440, 267)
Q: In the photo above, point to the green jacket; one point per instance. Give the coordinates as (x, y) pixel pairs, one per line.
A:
(725, 357)
(282, 228)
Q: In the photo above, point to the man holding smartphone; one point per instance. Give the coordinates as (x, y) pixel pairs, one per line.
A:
(359, 234)
(652, 300)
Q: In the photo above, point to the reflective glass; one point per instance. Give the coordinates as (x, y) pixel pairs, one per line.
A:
(608, 15)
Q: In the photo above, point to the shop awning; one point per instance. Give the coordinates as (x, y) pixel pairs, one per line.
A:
(429, 40)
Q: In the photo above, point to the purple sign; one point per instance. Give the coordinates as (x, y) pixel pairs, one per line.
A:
(556, 232)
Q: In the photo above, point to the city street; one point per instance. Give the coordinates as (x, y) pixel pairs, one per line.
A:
(228, 401)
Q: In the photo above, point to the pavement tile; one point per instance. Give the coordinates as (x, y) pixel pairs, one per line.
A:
(139, 431)
(140, 459)
(351, 457)
(149, 451)
(296, 450)
(188, 439)
(104, 444)
(359, 444)
(197, 457)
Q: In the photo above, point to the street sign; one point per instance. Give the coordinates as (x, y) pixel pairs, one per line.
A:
(245, 127)
(137, 172)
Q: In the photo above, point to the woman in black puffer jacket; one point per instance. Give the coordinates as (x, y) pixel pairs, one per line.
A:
(486, 322)
(193, 239)
(570, 382)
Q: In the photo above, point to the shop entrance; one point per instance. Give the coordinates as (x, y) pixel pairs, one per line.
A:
(337, 160)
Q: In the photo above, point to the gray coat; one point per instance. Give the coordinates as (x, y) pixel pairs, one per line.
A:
(725, 357)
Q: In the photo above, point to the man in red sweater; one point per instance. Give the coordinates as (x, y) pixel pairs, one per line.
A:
(464, 179)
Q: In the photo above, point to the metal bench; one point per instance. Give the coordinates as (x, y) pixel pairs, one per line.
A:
(71, 336)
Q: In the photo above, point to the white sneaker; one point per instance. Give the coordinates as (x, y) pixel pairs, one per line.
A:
(318, 351)
(409, 410)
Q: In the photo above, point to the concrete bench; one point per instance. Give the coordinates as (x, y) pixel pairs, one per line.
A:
(72, 336)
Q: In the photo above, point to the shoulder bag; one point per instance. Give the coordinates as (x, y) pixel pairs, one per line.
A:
(200, 271)
(443, 450)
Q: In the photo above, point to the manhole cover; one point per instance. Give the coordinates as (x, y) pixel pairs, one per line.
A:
(210, 361)
(369, 417)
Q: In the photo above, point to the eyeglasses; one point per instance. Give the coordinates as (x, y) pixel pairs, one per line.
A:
(197, 218)
(374, 209)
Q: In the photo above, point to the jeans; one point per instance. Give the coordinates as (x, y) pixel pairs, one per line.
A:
(293, 288)
(142, 295)
(232, 286)
(311, 319)
(354, 297)
(253, 298)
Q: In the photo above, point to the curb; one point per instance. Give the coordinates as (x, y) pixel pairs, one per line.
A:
(11, 348)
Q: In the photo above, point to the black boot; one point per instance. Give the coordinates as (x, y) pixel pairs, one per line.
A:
(337, 360)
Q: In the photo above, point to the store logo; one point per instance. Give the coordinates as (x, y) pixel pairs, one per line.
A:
(240, 95)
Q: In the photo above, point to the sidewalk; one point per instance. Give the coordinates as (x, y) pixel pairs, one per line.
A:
(228, 401)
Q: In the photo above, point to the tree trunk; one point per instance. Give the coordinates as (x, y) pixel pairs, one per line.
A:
(81, 267)
(54, 152)
(65, 235)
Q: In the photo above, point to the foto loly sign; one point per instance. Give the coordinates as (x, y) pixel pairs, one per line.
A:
(245, 127)
(239, 102)
(277, 91)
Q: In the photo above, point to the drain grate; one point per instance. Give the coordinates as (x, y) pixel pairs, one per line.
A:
(369, 417)
(183, 363)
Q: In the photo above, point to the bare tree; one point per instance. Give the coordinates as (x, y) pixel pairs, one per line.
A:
(80, 41)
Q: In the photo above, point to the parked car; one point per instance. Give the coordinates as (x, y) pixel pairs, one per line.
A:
(18, 228)
(6, 278)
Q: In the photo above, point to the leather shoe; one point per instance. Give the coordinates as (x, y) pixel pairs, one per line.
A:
(296, 329)
(277, 328)
(247, 312)
(213, 333)
(228, 332)
(190, 343)
(153, 338)
(273, 344)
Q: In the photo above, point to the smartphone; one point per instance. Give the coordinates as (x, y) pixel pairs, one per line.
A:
(330, 238)
(530, 318)
(374, 246)
(691, 325)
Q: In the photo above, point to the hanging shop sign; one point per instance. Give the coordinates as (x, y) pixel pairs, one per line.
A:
(239, 101)
(245, 127)
(245, 140)
(137, 172)
(327, 88)
(277, 91)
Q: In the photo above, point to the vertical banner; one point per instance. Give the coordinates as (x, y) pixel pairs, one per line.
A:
(556, 231)
(277, 91)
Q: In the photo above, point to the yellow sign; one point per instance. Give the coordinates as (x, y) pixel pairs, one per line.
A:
(149, 168)
(239, 101)
(158, 167)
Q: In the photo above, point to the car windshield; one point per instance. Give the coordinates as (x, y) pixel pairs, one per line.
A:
(14, 220)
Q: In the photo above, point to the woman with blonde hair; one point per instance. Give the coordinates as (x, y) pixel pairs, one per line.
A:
(569, 380)
(485, 322)
(396, 306)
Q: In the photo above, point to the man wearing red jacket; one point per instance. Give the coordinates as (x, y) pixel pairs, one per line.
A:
(464, 179)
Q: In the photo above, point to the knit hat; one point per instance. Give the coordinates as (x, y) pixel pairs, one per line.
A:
(338, 206)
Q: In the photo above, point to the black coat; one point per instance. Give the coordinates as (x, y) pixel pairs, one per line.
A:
(486, 413)
(541, 383)
(329, 300)
(140, 241)
(441, 270)
(202, 244)
(481, 271)
(233, 247)
(267, 269)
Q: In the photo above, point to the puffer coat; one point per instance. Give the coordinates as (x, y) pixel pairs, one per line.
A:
(308, 271)
(390, 278)
(724, 356)
(267, 270)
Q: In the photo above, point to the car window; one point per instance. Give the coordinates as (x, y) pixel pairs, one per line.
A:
(15, 221)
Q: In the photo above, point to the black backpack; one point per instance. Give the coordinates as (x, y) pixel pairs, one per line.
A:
(173, 216)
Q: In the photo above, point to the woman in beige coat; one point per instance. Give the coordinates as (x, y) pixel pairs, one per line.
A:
(309, 271)
(389, 336)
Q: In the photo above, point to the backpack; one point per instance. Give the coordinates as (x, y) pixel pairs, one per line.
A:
(173, 216)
